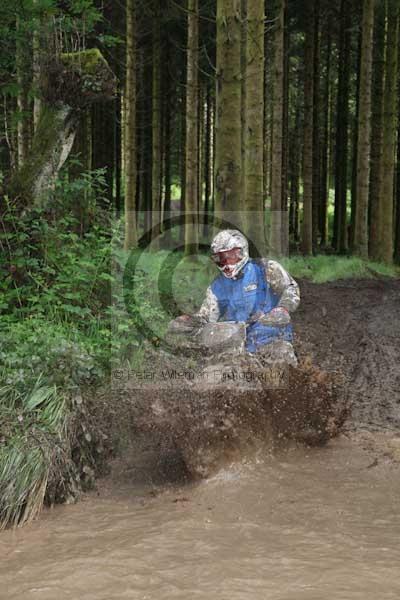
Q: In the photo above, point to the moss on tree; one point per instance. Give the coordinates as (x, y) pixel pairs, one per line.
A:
(79, 79)
(74, 81)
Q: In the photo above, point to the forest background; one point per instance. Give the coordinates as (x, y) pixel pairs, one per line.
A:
(129, 131)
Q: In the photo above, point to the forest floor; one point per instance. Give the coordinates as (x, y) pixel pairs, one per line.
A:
(348, 329)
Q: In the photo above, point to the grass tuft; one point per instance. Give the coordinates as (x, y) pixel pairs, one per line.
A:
(33, 423)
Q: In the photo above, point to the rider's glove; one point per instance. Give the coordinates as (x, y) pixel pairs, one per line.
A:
(278, 317)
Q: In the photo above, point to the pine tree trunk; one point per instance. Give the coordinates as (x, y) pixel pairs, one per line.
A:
(307, 241)
(117, 152)
(182, 155)
(243, 86)
(285, 128)
(130, 240)
(207, 160)
(270, 144)
(36, 67)
(115, 15)
(22, 67)
(375, 186)
(147, 164)
(146, 156)
(212, 155)
(342, 125)
(397, 227)
(182, 151)
(143, 126)
(192, 132)
(267, 130)
(169, 100)
(103, 137)
(332, 137)
(295, 162)
(9, 138)
(277, 238)
(200, 146)
(156, 128)
(162, 138)
(355, 150)
(324, 185)
(364, 130)
(254, 116)
(228, 170)
(316, 207)
(386, 245)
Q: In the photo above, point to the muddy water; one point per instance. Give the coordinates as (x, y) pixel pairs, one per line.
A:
(308, 524)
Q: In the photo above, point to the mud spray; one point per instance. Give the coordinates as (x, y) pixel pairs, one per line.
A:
(208, 427)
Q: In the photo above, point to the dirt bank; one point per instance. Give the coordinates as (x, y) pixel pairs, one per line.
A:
(353, 327)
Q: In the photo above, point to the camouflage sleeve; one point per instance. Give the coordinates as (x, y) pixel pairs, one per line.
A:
(282, 284)
(209, 310)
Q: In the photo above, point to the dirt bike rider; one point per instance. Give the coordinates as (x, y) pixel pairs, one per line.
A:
(259, 293)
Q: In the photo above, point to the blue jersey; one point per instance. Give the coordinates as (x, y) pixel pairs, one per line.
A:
(249, 294)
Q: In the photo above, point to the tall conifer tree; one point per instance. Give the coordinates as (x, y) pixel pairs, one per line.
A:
(192, 129)
(307, 241)
(278, 234)
(254, 113)
(130, 128)
(386, 233)
(228, 107)
(364, 129)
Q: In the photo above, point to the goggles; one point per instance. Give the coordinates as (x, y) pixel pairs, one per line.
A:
(227, 257)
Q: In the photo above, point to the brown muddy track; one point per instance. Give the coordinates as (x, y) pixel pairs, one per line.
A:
(347, 340)
(353, 328)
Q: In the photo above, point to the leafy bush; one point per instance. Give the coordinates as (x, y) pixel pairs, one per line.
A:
(55, 286)
(35, 346)
(53, 271)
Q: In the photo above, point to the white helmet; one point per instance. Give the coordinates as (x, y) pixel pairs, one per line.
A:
(225, 241)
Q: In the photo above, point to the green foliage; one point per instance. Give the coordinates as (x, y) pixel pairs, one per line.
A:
(110, 41)
(36, 346)
(72, 19)
(49, 265)
(33, 420)
(55, 286)
(322, 268)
